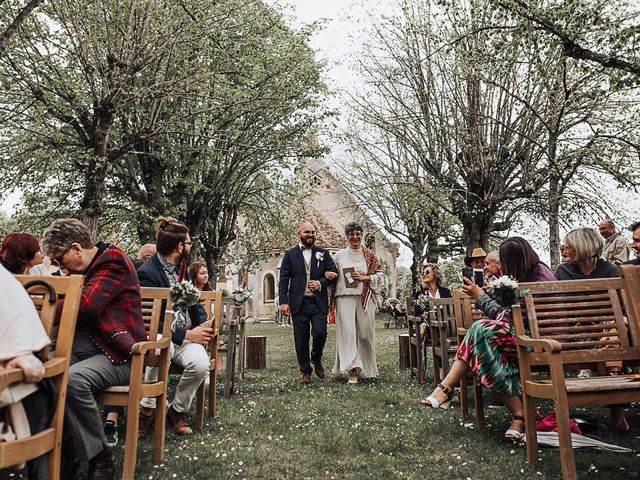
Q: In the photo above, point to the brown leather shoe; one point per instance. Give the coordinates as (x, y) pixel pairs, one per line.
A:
(305, 379)
(101, 467)
(178, 422)
(319, 369)
(145, 422)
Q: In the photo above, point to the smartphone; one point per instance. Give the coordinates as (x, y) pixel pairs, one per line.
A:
(467, 272)
(478, 277)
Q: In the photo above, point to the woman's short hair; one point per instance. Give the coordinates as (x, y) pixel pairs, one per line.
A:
(17, 250)
(62, 233)
(517, 258)
(587, 243)
(169, 234)
(352, 226)
(436, 272)
(193, 269)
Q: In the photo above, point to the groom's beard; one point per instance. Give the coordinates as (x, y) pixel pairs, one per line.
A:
(308, 241)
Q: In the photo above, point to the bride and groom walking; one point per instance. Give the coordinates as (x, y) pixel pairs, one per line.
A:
(306, 273)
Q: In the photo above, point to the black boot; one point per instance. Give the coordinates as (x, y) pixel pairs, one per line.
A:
(101, 467)
(69, 462)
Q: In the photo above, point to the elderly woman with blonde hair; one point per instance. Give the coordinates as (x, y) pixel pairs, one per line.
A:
(583, 248)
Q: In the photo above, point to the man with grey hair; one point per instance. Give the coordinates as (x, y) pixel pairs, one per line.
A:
(109, 323)
(492, 266)
(616, 249)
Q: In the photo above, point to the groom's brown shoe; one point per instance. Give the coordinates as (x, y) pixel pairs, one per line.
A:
(305, 379)
(319, 369)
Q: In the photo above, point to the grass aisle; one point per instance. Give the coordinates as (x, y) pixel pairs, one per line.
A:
(274, 428)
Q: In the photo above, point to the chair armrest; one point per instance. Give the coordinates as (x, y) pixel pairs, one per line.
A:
(140, 348)
(549, 346)
(52, 368)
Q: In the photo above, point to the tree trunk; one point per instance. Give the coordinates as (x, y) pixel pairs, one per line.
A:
(554, 223)
(92, 206)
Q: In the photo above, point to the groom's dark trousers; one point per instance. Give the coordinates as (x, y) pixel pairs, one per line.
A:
(309, 314)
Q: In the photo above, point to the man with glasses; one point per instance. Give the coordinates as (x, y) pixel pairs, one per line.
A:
(189, 339)
(109, 323)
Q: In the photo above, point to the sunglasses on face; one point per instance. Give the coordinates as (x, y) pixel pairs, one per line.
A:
(58, 261)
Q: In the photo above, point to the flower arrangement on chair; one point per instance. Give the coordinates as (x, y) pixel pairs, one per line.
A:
(505, 291)
(184, 295)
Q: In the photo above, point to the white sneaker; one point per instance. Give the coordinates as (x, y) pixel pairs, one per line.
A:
(584, 374)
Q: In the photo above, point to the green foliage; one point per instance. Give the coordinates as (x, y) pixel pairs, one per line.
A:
(120, 111)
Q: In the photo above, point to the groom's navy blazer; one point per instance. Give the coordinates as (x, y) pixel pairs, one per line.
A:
(293, 277)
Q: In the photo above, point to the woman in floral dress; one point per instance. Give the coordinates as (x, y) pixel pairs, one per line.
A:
(488, 348)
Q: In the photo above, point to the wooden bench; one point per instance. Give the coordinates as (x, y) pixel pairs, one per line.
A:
(44, 292)
(466, 314)
(575, 325)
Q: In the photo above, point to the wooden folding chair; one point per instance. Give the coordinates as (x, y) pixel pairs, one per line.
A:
(417, 364)
(465, 314)
(444, 337)
(151, 353)
(212, 302)
(45, 291)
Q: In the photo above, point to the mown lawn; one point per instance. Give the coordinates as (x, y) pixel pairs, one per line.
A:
(274, 428)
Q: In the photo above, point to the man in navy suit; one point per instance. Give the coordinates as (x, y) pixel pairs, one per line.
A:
(303, 294)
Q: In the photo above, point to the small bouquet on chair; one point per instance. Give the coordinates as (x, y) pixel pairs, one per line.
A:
(505, 291)
(424, 302)
(184, 295)
(241, 295)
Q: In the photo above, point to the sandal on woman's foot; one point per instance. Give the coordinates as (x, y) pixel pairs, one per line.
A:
(512, 434)
(432, 402)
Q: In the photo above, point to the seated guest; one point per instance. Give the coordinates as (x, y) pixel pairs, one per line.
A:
(476, 259)
(200, 276)
(189, 338)
(492, 266)
(635, 243)
(109, 323)
(22, 335)
(488, 348)
(615, 248)
(583, 246)
(20, 254)
(431, 285)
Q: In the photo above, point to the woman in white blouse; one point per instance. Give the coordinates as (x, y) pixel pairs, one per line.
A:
(359, 278)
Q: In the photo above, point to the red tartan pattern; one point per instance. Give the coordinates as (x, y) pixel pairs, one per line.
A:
(110, 307)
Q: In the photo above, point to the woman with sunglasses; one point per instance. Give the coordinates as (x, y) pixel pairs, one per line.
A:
(431, 284)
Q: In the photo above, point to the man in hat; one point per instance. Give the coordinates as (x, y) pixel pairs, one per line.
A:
(476, 259)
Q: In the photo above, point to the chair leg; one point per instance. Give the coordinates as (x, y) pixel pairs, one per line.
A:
(564, 435)
(464, 402)
(213, 377)
(159, 433)
(479, 404)
(530, 428)
(131, 441)
(200, 407)
(436, 366)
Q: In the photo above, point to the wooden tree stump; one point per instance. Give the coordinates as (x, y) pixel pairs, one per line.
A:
(256, 352)
(403, 350)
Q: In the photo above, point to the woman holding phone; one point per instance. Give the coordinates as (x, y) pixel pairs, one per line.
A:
(488, 348)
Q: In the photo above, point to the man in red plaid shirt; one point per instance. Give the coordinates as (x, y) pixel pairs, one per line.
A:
(109, 323)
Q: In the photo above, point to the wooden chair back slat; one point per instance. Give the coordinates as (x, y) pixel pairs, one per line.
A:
(155, 302)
